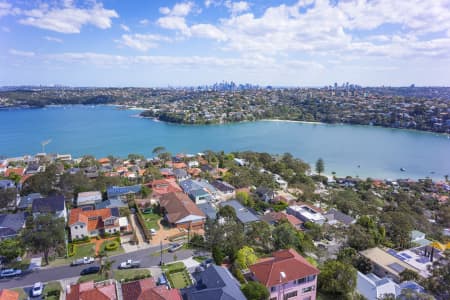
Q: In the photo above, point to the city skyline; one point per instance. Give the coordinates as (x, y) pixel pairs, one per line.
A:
(189, 43)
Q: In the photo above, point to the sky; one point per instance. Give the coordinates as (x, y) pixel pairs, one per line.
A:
(152, 43)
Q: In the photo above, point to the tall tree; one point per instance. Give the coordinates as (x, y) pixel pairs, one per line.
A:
(284, 236)
(157, 150)
(245, 257)
(255, 291)
(43, 234)
(320, 166)
(11, 248)
(337, 278)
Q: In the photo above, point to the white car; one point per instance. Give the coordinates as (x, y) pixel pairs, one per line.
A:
(152, 231)
(37, 289)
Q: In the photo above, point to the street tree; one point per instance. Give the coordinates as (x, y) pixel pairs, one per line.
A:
(44, 234)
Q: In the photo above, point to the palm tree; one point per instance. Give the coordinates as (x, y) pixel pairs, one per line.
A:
(105, 268)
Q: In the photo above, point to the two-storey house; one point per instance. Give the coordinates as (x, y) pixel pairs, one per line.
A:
(84, 223)
(287, 275)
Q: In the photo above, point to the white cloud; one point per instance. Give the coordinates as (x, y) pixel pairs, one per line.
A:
(125, 27)
(174, 23)
(68, 18)
(21, 53)
(164, 10)
(144, 22)
(6, 29)
(237, 7)
(141, 42)
(53, 39)
(7, 9)
(207, 31)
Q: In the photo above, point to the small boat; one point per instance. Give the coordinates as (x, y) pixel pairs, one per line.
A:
(402, 169)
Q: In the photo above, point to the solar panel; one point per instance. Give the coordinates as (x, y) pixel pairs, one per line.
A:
(396, 267)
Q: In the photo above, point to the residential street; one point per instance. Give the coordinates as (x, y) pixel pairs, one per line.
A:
(148, 258)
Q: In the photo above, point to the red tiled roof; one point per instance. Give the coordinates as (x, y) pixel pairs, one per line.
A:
(293, 220)
(89, 291)
(146, 289)
(9, 295)
(18, 171)
(294, 265)
(79, 215)
(164, 186)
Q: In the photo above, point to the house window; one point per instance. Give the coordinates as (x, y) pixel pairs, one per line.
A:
(301, 280)
(273, 289)
(76, 227)
(274, 298)
(76, 236)
(81, 226)
(290, 295)
(308, 289)
(311, 278)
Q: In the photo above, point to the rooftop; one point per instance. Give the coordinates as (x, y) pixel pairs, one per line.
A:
(294, 266)
(243, 214)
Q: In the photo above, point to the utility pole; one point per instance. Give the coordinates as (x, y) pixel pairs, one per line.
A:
(161, 263)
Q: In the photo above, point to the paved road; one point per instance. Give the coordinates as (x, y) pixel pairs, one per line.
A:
(146, 256)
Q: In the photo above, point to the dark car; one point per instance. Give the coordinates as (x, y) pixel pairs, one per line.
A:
(90, 270)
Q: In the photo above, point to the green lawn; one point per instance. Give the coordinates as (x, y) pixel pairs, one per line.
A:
(180, 279)
(128, 275)
(52, 287)
(118, 251)
(174, 266)
(151, 220)
(83, 250)
(119, 275)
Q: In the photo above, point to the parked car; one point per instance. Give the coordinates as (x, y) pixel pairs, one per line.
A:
(176, 246)
(82, 261)
(10, 273)
(152, 231)
(90, 270)
(129, 264)
(207, 262)
(37, 289)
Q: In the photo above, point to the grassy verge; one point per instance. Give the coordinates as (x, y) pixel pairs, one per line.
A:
(94, 277)
(130, 275)
(22, 265)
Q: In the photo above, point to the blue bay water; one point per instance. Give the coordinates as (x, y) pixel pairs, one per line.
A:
(104, 130)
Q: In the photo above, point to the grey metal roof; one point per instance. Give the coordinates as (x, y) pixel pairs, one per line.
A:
(48, 205)
(10, 224)
(110, 203)
(340, 216)
(208, 210)
(27, 200)
(214, 283)
(242, 213)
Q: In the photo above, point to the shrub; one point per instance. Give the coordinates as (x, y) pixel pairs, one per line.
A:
(81, 241)
(71, 250)
(112, 245)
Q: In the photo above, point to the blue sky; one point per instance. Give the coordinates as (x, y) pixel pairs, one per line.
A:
(177, 43)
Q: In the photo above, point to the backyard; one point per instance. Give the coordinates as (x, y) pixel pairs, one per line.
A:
(151, 220)
(178, 275)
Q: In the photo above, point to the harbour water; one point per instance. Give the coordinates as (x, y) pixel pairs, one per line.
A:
(362, 151)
